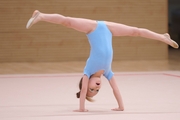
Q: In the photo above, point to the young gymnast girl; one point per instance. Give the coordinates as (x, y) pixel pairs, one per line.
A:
(99, 35)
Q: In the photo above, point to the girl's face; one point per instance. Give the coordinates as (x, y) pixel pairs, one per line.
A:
(93, 86)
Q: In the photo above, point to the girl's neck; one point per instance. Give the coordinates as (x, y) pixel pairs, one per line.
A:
(98, 73)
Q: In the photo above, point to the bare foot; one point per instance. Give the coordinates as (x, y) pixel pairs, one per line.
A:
(172, 42)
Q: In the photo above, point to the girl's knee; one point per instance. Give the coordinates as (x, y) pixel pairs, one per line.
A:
(136, 31)
(67, 22)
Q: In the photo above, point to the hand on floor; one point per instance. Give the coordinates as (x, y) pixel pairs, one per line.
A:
(117, 109)
(81, 110)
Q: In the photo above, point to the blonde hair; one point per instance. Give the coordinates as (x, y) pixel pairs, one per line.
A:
(79, 93)
(89, 99)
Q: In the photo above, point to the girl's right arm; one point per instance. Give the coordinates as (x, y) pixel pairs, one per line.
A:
(83, 94)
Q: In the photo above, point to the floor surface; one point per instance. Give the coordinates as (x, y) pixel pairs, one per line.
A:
(146, 96)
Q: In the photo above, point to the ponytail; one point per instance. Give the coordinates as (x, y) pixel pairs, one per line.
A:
(79, 93)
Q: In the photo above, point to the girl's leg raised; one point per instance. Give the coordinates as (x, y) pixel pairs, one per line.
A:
(79, 24)
(125, 30)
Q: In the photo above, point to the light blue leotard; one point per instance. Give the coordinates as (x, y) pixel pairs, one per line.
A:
(101, 52)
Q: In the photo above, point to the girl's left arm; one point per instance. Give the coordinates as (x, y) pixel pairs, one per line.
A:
(116, 94)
